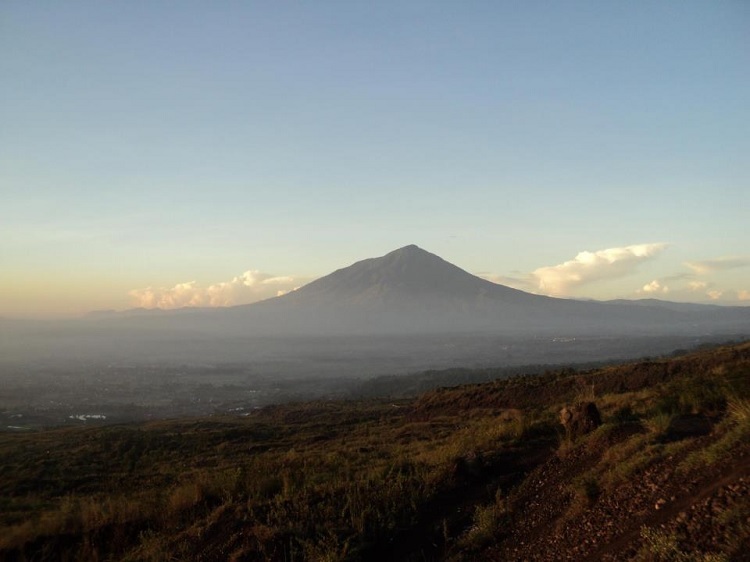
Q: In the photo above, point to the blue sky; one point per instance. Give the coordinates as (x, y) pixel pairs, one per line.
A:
(164, 154)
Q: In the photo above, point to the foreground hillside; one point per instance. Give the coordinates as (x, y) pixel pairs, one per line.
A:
(478, 472)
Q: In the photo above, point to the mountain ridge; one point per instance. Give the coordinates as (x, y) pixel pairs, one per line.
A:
(412, 291)
(409, 270)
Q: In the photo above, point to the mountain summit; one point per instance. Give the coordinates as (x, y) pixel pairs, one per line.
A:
(413, 291)
(404, 274)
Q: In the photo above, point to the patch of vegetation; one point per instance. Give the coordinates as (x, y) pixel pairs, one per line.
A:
(659, 546)
(487, 523)
(361, 479)
(734, 429)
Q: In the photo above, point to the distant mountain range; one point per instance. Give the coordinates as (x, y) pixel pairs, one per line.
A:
(411, 291)
(406, 310)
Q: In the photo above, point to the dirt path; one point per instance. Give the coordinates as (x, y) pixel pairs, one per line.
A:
(729, 475)
(695, 507)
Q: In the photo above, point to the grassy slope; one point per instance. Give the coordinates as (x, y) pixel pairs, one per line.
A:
(473, 472)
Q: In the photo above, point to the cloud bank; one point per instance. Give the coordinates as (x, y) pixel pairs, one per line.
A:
(251, 286)
(695, 285)
(587, 267)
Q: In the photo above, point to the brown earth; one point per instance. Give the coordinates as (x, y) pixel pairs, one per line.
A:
(688, 505)
(666, 477)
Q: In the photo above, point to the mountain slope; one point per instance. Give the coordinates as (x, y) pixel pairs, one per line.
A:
(406, 292)
(413, 291)
(408, 272)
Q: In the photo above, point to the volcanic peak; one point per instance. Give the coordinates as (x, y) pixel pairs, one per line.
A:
(408, 270)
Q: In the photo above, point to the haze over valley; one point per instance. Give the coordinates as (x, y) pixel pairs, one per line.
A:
(400, 314)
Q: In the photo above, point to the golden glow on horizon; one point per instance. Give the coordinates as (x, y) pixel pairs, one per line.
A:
(605, 274)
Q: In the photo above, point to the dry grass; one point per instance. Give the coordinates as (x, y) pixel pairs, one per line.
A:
(323, 481)
(487, 522)
(659, 546)
(739, 410)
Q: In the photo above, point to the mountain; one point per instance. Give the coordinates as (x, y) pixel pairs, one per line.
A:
(406, 273)
(451, 316)
(408, 290)
(412, 291)
(679, 306)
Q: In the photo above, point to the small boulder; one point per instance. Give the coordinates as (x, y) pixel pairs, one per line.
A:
(580, 419)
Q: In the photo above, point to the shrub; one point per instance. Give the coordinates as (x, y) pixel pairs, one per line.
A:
(739, 410)
(624, 414)
(659, 423)
(662, 546)
(486, 523)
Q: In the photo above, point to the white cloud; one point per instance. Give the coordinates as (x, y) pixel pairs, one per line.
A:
(588, 267)
(719, 264)
(248, 287)
(593, 266)
(654, 287)
(182, 294)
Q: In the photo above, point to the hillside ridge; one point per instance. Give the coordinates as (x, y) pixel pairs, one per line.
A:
(481, 471)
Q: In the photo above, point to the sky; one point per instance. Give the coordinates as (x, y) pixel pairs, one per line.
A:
(216, 153)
